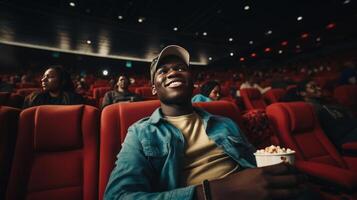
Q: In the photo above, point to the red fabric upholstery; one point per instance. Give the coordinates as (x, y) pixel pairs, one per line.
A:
(8, 132)
(274, 95)
(116, 119)
(252, 98)
(145, 92)
(298, 129)
(347, 95)
(56, 154)
(100, 92)
(26, 91)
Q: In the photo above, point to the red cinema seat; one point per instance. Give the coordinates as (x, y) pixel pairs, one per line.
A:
(252, 99)
(274, 95)
(346, 95)
(145, 92)
(26, 91)
(117, 118)
(56, 154)
(100, 92)
(298, 128)
(8, 132)
(4, 98)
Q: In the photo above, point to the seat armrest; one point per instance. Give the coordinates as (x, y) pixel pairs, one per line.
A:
(351, 146)
(340, 176)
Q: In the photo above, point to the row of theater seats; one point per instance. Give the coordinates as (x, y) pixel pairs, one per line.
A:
(68, 152)
(345, 95)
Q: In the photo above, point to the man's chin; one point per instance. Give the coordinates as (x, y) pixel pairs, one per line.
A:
(176, 100)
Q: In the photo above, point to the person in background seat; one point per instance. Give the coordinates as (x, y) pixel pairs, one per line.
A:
(210, 91)
(120, 93)
(57, 89)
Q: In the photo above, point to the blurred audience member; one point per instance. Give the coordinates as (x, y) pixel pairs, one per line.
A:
(210, 91)
(251, 82)
(5, 86)
(57, 89)
(120, 93)
(338, 123)
(349, 74)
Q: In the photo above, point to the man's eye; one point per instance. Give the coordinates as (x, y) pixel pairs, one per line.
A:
(161, 72)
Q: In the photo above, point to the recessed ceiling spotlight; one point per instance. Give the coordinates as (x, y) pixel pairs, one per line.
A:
(231, 54)
(251, 42)
(267, 49)
(241, 59)
(89, 42)
(253, 55)
(298, 46)
(346, 1)
(269, 32)
(209, 58)
(299, 18)
(318, 39)
(105, 72)
(72, 4)
(120, 17)
(247, 7)
(141, 19)
(280, 51)
(204, 33)
(284, 43)
(175, 29)
(230, 39)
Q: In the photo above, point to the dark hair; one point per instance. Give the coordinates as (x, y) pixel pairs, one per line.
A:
(65, 78)
(207, 87)
(301, 86)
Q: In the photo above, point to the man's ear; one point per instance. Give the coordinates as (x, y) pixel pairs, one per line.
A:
(153, 90)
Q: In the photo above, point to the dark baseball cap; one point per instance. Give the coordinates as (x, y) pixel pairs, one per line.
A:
(171, 50)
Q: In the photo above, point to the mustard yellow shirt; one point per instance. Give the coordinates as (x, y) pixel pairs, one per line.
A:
(202, 159)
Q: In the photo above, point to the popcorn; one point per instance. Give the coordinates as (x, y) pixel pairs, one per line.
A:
(274, 150)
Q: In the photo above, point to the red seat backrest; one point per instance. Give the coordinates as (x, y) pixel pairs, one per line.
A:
(8, 132)
(298, 128)
(274, 95)
(56, 154)
(346, 95)
(27, 91)
(252, 99)
(117, 118)
(99, 92)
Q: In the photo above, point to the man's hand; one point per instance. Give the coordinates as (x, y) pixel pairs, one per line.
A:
(279, 181)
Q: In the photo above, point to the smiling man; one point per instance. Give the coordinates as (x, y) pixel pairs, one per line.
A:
(183, 152)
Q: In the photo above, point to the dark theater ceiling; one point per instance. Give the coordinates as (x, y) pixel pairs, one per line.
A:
(211, 30)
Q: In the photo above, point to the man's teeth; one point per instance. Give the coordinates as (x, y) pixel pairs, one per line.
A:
(175, 84)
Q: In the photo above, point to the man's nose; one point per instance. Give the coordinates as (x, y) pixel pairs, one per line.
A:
(171, 73)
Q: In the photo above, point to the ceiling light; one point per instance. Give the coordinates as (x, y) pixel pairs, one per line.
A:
(175, 29)
(120, 17)
(267, 49)
(253, 54)
(230, 39)
(204, 33)
(298, 46)
(346, 1)
(241, 59)
(304, 35)
(209, 58)
(280, 51)
(141, 19)
(105, 72)
(284, 43)
(331, 26)
(247, 7)
(231, 54)
(72, 4)
(89, 42)
(269, 32)
(318, 39)
(251, 42)
(299, 18)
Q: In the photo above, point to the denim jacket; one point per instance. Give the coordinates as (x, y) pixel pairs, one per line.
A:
(150, 161)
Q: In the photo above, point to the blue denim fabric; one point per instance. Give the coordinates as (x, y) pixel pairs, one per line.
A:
(151, 158)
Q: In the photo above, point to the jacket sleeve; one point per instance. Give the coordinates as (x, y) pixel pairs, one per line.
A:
(134, 178)
(106, 100)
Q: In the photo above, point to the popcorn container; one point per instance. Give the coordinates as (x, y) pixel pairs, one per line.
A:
(265, 159)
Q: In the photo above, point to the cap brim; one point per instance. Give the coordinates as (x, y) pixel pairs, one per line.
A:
(174, 50)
